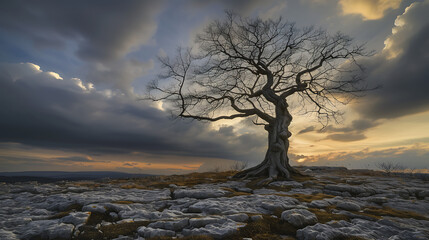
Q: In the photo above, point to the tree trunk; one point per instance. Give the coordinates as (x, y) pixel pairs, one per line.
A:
(276, 162)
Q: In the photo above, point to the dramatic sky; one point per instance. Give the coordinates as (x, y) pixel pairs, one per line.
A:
(72, 74)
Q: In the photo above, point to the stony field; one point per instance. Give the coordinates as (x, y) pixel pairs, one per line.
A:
(327, 203)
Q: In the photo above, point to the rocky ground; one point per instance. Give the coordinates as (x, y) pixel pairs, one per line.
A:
(328, 203)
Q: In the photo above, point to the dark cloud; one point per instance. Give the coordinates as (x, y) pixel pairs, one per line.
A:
(74, 159)
(358, 125)
(128, 164)
(227, 131)
(346, 137)
(401, 69)
(245, 7)
(349, 133)
(41, 111)
(119, 74)
(307, 129)
(102, 30)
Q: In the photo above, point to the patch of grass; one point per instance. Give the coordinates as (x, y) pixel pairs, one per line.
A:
(302, 178)
(268, 226)
(96, 218)
(386, 211)
(71, 208)
(326, 216)
(110, 231)
(308, 197)
(188, 180)
(87, 184)
(131, 186)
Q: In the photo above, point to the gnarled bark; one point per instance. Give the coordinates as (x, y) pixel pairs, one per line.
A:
(276, 162)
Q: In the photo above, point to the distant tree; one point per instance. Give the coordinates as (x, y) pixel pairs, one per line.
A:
(389, 167)
(249, 67)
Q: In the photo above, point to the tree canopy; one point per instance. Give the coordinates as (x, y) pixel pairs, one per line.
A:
(249, 67)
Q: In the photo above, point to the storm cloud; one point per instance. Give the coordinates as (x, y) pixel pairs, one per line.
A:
(41, 110)
(103, 30)
(401, 68)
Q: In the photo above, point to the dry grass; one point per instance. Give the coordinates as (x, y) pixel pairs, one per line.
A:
(123, 202)
(88, 184)
(267, 227)
(308, 197)
(110, 231)
(71, 208)
(188, 180)
(136, 186)
(386, 211)
(327, 215)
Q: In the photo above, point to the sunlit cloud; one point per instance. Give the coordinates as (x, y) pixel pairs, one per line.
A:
(368, 9)
(82, 126)
(406, 25)
(85, 87)
(34, 66)
(55, 75)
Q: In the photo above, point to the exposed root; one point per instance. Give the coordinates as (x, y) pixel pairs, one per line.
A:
(265, 181)
(270, 172)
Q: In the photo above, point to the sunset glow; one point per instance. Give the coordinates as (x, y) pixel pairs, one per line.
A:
(72, 93)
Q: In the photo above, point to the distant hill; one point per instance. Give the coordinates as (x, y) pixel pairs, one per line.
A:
(53, 176)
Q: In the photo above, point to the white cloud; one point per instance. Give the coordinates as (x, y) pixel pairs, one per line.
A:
(55, 75)
(85, 87)
(413, 20)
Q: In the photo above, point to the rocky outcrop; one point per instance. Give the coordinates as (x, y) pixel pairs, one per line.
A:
(69, 210)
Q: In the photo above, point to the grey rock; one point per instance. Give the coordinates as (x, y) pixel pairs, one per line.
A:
(148, 232)
(170, 225)
(114, 215)
(292, 184)
(201, 222)
(94, 208)
(319, 204)
(255, 218)
(423, 194)
(76, 218)
(299, 217)
(239, 217)
(47, 229)
(215, 230)
(378, 200)
(7, 235)
(243, 189)
(356, 228)
(199, 193)
(331, 192)
(349, 206)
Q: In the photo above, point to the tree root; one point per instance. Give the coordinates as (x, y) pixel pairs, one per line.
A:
(263, 170)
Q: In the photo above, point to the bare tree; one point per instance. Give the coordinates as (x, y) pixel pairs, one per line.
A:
(389, 167)
(249, 67)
